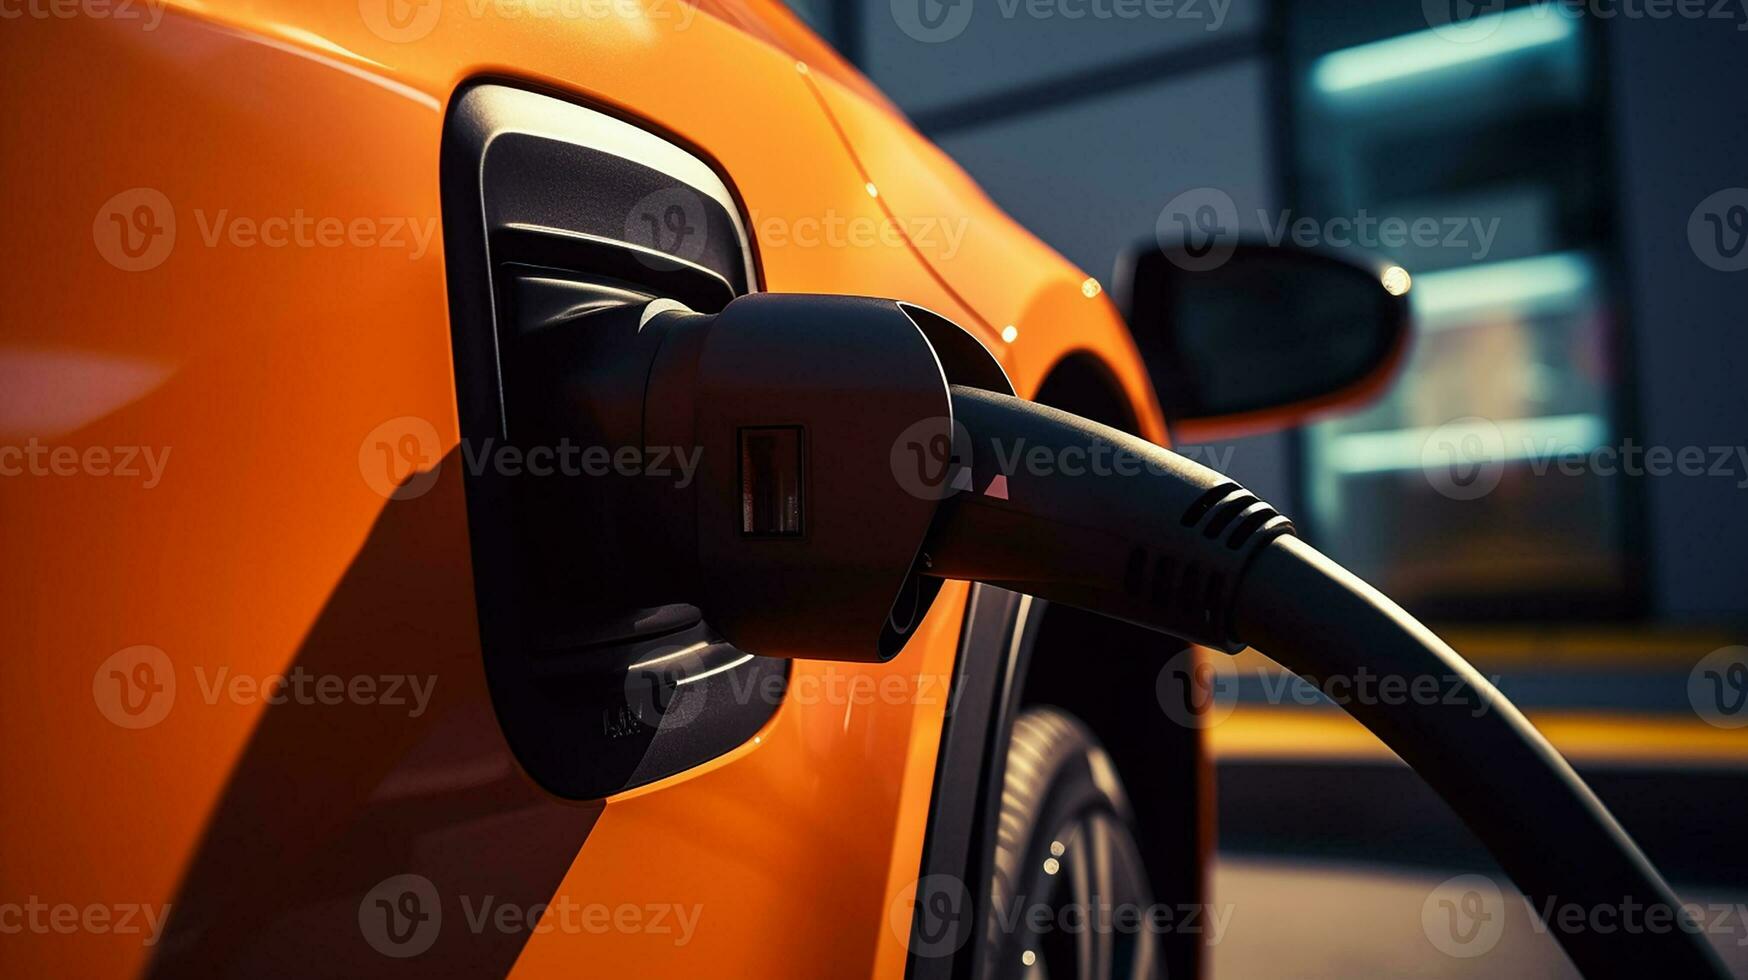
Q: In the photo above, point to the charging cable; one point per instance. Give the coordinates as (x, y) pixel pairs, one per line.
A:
(1159, 540)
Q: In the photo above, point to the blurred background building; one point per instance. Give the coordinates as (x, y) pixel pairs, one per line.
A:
(1558, 475)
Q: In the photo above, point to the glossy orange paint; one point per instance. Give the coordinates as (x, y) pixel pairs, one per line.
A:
(1013, 283)
(255, 361)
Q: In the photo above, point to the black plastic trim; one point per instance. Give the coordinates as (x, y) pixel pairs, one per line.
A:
(994, 650)
(540, 190)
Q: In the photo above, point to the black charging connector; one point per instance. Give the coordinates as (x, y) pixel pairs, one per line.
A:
(1081, 513)
(804, 536)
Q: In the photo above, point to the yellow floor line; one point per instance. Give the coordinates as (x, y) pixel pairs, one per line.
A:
(1253, 733)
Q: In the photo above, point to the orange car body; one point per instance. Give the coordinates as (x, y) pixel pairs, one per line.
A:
(194, 354)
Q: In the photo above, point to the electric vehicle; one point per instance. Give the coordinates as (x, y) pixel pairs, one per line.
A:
(317, 665)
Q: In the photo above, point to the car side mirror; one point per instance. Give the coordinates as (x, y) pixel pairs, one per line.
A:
(1261, 337)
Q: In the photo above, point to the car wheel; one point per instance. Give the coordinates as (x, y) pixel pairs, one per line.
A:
(1070, 894)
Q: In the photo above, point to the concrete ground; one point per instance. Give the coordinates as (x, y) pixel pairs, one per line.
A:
(1335, 861)
(1314, 920)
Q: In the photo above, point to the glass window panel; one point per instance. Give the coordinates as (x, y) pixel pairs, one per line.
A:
(1458, 490)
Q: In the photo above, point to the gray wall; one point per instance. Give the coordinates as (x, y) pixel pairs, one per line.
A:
(987, 48)
(1083, 129)
(1681, 121)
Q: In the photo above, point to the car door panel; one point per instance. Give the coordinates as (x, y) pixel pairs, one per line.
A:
(264, 364)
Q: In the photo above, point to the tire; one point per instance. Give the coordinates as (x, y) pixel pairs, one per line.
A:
(1070, 893)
